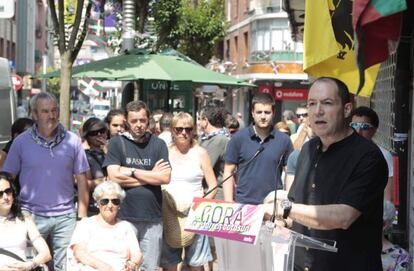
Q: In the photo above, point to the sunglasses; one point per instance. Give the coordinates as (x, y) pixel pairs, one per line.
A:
(179, 130)
(361, 125)
(115, 202)
(303, 115)
(99, 132)
(7, 191)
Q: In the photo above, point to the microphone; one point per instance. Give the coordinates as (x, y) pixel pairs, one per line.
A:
(259, 150)
(273, 217)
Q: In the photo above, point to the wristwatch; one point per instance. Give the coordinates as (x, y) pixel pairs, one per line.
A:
(133, 172)
(286, 206)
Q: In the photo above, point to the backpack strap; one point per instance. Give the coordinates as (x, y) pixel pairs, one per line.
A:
(123, 146)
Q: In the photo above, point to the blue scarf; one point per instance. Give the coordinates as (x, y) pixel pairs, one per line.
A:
(39, 140)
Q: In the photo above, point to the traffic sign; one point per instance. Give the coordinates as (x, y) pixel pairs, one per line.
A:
(17, 82)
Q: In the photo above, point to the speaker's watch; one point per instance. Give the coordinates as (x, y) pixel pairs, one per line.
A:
(286, 206)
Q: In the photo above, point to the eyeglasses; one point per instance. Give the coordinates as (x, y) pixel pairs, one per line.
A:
(302, 115)
(361, 125)
(8, 192)
(99, 132)
(179, 130)
(115, 202)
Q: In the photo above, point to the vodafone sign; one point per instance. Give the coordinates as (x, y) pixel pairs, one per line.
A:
(285, 94)
(291, 94)
(17, 82)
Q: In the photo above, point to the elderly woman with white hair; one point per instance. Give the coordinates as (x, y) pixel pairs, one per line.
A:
(103, 242)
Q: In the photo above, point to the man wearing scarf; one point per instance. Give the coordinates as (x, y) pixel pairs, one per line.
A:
(48, 157)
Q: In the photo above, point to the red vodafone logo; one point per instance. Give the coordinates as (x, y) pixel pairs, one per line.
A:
(17, 82)
(278, 94)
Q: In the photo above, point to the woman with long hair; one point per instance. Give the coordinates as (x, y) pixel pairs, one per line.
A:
(116, 122)
(16, 229)
(190, 164)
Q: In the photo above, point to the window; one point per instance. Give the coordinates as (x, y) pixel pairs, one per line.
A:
(236, 49)
(277, 40)
(227, 54)
(246, 45)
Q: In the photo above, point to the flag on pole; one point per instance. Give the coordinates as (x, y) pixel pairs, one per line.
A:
(329, 44)
(375, 22)
(96, 28)
(90, 87)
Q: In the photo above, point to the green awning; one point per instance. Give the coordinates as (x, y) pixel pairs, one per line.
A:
(144, 65)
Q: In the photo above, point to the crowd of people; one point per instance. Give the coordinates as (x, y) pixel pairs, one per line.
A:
(98, 200)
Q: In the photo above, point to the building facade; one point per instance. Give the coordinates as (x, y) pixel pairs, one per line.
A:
(259, 48)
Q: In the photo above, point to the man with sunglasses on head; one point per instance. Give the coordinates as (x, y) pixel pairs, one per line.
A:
(302, 133)
(301, 114)
(138, 161)
(365, 122)
(47, 157)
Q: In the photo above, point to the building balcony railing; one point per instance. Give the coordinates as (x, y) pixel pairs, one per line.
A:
(264, 56)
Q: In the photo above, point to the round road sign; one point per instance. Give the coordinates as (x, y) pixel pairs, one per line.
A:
(17, 82)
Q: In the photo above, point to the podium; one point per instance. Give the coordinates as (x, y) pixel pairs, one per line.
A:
(274, 250)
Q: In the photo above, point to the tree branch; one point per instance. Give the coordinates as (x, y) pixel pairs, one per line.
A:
(55, 21)
(61, 29)
(75, 29)
(142, 11)
(82, 36)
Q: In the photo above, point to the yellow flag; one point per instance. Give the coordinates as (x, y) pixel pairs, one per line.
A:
(70, 11)
(329, 44)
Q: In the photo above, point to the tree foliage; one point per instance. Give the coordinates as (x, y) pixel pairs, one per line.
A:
(53, 84)
(192, 27)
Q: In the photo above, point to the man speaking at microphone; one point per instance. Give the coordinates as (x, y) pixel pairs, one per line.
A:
(256, 153)
(338, 190)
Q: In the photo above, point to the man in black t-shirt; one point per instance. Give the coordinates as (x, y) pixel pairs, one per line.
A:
(337, 193)
(138, 161)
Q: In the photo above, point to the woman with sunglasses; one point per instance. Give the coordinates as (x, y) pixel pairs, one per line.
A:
(190, 163)
(103, 242)
(95, 134)
(16, 229)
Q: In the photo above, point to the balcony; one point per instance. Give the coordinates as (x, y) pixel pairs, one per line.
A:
(265, 56)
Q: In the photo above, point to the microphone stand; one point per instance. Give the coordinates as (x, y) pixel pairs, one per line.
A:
(273, 217)
(259, 150)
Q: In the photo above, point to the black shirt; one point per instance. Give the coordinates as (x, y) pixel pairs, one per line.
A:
(142, 203)
(95, 160)
(354, 172)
